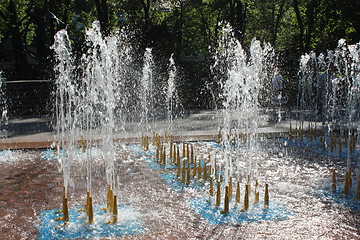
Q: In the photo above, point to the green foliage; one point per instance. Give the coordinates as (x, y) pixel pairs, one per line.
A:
(186, 27)
(195, 21)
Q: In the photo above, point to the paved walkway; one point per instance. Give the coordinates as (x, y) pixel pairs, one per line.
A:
(37, 132)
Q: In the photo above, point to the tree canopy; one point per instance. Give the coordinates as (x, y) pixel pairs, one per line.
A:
(186, 28)
(297, 25)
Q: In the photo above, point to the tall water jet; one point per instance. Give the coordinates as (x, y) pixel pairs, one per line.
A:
(329, 91)
(100, 79)
(3, 104)
(65, 101)
(307, 99)
(92, 96)
(146, 90)
(347, 61)
(245, 78)
(172, 99)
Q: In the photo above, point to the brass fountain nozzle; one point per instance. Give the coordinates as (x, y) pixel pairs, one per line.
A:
(109, 196)
(266, 195)
(171, 150)
(188, 151)
(249, 182)
(64, 205)
(211, 192)
(226, 201)
(218, 194)
(65, 211)
(188, 173)
(183, 171)
(86, 208)
(333, 184)
(114, 211)
(230, 188)
(111, 200)
(246, 198)
(357, 196)
(174, 154)
(83, 144)
(65, 217)
(57, 149)
(237, 195)
(145, 142)
(90, 211)
(347, 183)
(162, 155)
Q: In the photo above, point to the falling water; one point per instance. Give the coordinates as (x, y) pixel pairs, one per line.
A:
(171, 94)
(65, 101)
(147, 91)
(100, 79)
(347, 61)
(241, 91)
(3, 104)
(329, 89)
(92, 97)
(307, 100)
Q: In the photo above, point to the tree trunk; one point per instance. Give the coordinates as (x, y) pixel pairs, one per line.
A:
(146, 7)
(240, 21)
(18, 48)
(277, 22)
(102, 11)
(310, 14)
(146, 24)
(237, 18)
(301, 25)
(179, 30)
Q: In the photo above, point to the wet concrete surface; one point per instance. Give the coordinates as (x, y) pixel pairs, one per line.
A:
(38, 131)
(30, 185)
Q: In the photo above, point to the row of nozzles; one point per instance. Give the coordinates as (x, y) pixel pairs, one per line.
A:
(347, 184)
(229, 194)
(111, 207)
(331, 142)
(189, 168)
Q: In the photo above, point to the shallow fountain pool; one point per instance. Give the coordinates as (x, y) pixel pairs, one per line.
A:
(299, 182)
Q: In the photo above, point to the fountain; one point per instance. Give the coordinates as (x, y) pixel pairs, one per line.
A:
(329, 100)
(3, 105)
(90, 96)
(248, 180)
(243, 86)
(172, 99)
(246, 76)
(147, 91)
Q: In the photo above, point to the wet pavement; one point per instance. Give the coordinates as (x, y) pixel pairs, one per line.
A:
(38, 132)
(298, 180)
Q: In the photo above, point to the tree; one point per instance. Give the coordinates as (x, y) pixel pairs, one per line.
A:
(103, 16)
(15, 15)
(235, 13)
